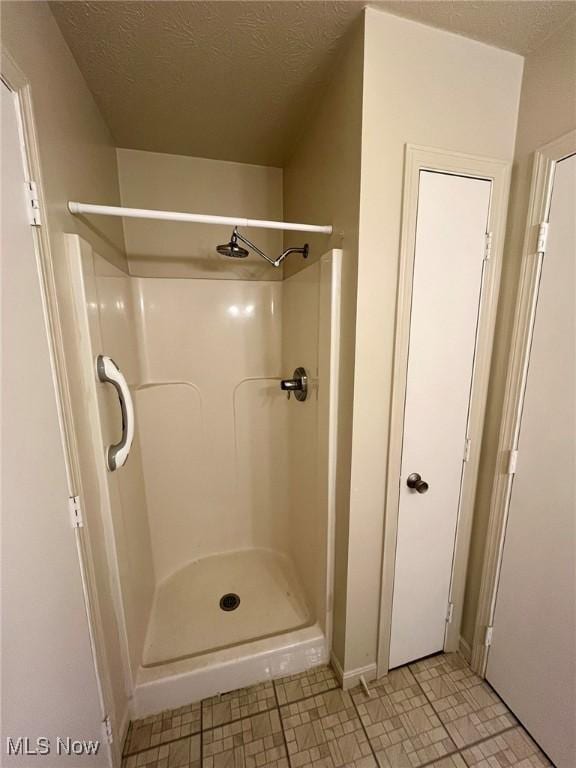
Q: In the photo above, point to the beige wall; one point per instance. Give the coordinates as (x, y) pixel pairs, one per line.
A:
(76, 149)
(322, 185)
(428, 87)
(198, 185)
(547, 111)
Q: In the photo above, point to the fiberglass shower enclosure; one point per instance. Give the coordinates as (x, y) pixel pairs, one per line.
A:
(228, 488)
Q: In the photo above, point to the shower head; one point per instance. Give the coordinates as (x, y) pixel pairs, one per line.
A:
(232, 249)
(238, 252)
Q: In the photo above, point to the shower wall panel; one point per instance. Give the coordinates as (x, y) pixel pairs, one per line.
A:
(311, 338)
(300, 331)
(211, 416)
(98, 319)
(169, 417)
(114, 334)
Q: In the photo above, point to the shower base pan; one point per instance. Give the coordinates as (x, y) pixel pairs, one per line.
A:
(194, 649)
(222, 601)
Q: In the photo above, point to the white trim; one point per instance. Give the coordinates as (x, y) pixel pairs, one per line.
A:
(465, 649)
(498, 172)
(193, 218)
(538, 211)
(351, 678)
(123, 728)
(331, 264)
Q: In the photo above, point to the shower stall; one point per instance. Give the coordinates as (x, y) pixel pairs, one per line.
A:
(217, 532)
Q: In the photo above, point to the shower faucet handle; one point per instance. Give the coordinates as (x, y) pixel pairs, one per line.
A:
(289, 385)
(298, 384)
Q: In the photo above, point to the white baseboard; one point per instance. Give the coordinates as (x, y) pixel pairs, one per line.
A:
(465, 649)
(351, 678)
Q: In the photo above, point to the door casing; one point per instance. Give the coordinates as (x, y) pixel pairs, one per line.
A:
(418, 158)
(545, 160)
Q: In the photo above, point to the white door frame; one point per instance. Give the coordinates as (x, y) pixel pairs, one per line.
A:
(498, 172)
(545, 160)
(19, 84)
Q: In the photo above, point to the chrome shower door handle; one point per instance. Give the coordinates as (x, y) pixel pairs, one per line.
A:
(108, 372)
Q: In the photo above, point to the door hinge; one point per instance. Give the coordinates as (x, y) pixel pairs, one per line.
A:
(33, 204)
(542, 240)
(449, 613)
(75, 511)
(487, 246)
(512, 462)
(488, 636)
(107, 728)
(467, 444)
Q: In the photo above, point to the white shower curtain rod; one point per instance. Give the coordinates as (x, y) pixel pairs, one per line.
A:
(193, 218)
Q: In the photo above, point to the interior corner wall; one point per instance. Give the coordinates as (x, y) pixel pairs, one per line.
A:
(322, 184)
(76, 149)
(547, 111)
(428, 87)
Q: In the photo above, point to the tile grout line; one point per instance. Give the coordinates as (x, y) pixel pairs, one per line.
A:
(161, 744)
(201, 733)
(364, 729)
(439, 759)
(336, 687)
(479, 741)
(281, 722)
(458, 750)
(202, 730)
(277, 705)
(434, 760)
(126, 740)
(486, 738)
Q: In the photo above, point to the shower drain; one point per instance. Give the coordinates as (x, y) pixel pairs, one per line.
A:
(229, 602)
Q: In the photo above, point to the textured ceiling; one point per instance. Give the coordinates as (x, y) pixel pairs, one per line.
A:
(235, 80)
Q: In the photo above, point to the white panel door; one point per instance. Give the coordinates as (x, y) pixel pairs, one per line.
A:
(49, 685)
(532, 660)
(448, 264)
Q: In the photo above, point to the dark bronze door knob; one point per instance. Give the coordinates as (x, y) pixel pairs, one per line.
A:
(415, 482)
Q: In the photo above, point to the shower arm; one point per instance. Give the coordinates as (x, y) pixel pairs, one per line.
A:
(275, 262)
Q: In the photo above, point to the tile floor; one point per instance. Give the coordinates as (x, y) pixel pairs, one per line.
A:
(434, 713)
